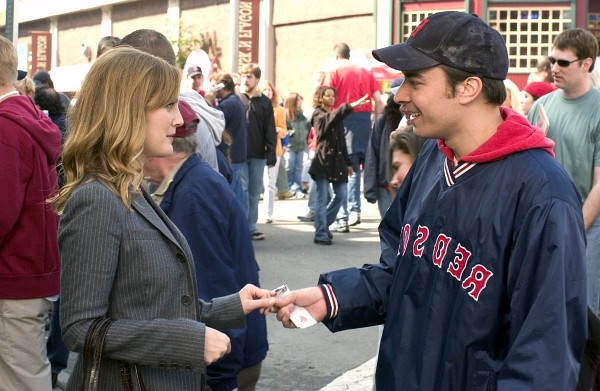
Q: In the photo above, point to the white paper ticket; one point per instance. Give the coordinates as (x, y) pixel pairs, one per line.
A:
(299, 315)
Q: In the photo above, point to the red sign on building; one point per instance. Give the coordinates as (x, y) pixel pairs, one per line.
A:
(248, 23)
(41, 50)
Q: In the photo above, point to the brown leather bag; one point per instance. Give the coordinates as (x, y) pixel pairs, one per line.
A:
(92, 357)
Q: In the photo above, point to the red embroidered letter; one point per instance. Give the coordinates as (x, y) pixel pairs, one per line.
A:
(419, 28)
(457, 267)
(478, 279)
(440, 249)
(405, 233)
(422, 235)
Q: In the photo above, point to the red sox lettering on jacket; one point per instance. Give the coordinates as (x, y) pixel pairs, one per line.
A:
(477, 279)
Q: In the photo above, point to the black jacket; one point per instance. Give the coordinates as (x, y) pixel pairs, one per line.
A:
(375, 169)
(262, 136)
(331, 159)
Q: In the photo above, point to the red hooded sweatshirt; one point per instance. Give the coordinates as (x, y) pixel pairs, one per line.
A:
(513, 135)
(29, 150)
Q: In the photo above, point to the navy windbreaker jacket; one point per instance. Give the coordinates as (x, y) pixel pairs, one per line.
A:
(202, 205)
(482, 281)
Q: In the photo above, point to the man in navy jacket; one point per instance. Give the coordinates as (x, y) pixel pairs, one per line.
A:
(481, 283)
(202, 205)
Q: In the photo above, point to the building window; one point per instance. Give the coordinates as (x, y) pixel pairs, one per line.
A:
(411, 19)
(594, 23)
(528, 32)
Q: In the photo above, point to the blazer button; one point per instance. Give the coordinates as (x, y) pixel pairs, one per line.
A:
(186, 300)
(162, 365)
(180, 257)
(188, 367)
(174, 366)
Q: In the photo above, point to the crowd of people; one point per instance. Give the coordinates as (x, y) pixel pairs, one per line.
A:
(139, 203)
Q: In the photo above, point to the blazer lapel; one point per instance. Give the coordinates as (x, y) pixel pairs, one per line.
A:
(151, 212)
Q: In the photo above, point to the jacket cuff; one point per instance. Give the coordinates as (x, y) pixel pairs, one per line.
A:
(330, 300)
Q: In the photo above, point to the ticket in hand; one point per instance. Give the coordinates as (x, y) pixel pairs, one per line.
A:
(300, 316)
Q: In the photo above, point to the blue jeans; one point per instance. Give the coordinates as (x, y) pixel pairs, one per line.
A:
(239, 183)
(58, 353)
(256, 168)
(352, 202)
(325, 211)
(593, 265)
(357, 129)
(293, 167)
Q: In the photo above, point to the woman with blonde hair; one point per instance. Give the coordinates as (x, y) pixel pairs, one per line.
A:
(122, 258)
(512, 96)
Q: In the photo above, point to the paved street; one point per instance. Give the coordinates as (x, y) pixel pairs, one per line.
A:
(313, 359)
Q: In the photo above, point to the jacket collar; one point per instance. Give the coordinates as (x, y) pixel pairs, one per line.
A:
(155, 216)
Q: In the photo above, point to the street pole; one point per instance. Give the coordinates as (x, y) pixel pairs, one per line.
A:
(10, 20)
(234, 29)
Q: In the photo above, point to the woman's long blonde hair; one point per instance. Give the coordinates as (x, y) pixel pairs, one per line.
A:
(107, 124)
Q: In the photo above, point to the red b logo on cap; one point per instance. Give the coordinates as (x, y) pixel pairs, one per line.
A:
(419, 28)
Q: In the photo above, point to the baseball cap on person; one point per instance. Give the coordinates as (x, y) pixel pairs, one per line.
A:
(190, 120)
(456, 39)
(395, 86)
(194, 70)
(537, 89)
(21, 75)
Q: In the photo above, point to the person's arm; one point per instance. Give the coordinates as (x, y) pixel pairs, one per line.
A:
(547, 306)
(372, 158)
(377, 103)
(280, 123)
(354, 297)
(591, 206)
(270, 134)
(14, 174)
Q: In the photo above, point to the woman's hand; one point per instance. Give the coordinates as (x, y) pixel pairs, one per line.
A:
(216, 345)
(256, 298)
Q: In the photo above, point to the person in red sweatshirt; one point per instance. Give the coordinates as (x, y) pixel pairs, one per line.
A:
(29, 261)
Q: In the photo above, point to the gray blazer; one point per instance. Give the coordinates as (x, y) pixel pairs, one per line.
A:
(136, 267)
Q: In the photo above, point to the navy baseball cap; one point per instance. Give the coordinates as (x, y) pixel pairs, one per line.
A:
(456, 39)
(21, 75)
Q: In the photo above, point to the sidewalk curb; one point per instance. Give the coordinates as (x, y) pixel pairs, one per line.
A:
(357, 379)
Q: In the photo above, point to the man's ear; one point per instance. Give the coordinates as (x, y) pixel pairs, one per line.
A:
(469, 89)
(587, 63)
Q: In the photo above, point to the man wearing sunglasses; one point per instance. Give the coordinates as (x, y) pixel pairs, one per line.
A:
(574, 125)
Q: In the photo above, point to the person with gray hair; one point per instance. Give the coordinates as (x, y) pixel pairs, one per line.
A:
(203, 206)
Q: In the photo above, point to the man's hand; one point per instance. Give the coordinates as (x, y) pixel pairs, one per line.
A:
(216, 345)
(310, 298)
(256, 298)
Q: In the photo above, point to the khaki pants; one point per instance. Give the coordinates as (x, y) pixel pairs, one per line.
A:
(248, 377)
(24, 365)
